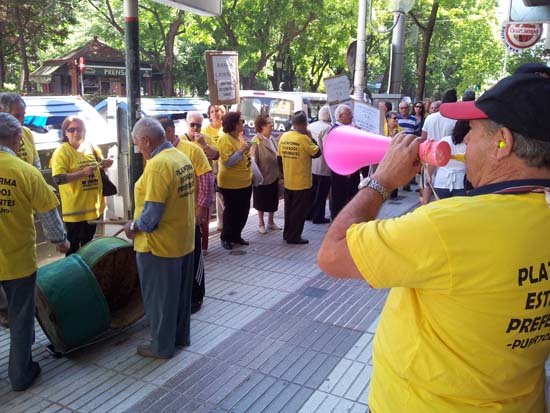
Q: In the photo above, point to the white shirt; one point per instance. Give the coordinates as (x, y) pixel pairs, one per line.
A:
(437, 126)
(319, 131)
(451, 176)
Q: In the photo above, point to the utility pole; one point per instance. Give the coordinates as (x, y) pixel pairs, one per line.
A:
(359, 75)
(131, 36)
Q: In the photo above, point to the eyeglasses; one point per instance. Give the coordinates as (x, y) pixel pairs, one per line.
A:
(195, 125)
(403, 107)
(394, 118)
(73, 130)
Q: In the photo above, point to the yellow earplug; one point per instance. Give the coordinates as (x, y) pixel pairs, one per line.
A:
(501, 144)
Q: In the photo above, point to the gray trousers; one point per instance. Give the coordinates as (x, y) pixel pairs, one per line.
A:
(21, 305)
(166, 286)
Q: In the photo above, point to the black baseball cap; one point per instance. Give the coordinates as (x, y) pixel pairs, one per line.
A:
(533, 68)
(519, 102)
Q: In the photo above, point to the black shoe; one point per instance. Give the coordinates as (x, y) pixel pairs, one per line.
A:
(321, 221)
(300, 241)
(144, 350)
(242, 242)
(196, 306)
(35, 373)
(227, 245)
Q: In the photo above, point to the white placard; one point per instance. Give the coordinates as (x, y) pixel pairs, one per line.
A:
(367, 117)
(225, 68)
(337, 88)
(226, 89)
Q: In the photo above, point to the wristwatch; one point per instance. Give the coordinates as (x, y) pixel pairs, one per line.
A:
(133, 226)
(369, 182)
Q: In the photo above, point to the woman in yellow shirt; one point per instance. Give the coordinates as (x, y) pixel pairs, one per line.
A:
(234, 179)
(75, 169)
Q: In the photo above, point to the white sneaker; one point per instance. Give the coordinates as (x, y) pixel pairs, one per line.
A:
(274, 227)
(262, 230)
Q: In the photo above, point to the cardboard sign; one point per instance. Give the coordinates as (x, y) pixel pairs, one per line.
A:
(337, 88)
(368, 117)
(222, 70)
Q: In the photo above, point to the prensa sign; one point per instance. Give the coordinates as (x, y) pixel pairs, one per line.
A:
(518, 37)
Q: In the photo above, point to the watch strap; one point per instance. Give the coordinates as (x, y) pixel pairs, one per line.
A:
(372, 183)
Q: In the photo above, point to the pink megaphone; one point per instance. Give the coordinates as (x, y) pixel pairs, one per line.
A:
(347, 149)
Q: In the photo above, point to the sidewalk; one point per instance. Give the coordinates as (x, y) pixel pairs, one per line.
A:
(275, 334)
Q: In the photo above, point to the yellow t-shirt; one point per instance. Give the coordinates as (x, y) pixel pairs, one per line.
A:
(239, 175)
(82, 199)
(466, 326)
(296, 150)
(22, 191)
(168, 178)
(198, 159)
(27, 151)
(211, 131)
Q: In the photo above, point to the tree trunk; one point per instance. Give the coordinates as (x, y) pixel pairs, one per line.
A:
(427, 38)
(168, 66)
(2, 61)
(24, 83)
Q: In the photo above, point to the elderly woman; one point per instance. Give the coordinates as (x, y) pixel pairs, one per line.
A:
(234, 179)
(75, 169)
(264, 152)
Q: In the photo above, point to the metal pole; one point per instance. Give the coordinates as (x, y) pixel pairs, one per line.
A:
(397, 52)
(359, 75)
(131, 35)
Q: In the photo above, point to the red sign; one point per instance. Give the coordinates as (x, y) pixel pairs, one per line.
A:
(81, 65)
(521, 36)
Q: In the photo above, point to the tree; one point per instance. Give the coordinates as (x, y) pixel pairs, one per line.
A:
(159, 28)
(22, 20)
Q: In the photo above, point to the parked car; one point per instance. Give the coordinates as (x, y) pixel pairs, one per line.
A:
(279, 106)
(114, 110)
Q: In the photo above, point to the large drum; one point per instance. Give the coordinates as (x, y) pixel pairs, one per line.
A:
(70, 306)
(113, 263)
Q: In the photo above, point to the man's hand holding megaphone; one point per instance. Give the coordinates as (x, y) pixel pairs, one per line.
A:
(400, 163)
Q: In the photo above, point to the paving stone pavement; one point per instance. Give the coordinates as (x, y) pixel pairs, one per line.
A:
(274, 335)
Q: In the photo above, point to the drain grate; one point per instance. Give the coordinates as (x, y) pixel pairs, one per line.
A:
(314, 292)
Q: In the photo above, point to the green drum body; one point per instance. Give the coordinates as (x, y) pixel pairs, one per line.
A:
(70, 306)
(113, 263)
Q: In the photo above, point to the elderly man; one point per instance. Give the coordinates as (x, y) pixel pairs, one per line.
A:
(296, 149)
(465, 327)
(194, 121)
(22, 191)
(163, 231)
(13, 104)
(320, 169)
(406, 121)
(344, 187)
(204, 183)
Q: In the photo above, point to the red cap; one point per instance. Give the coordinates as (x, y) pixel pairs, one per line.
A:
(462, 111)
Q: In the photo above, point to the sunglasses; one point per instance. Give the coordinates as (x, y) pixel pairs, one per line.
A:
(73, 130)
(195, 125)
(418, 106)
(394, 118)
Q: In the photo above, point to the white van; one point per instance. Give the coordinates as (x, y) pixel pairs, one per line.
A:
(279, 106)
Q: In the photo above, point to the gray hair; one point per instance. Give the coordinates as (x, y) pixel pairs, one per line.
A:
(7, 99)
(9, 127)
(324, 113)
(193, 114)
(149, 127)
(535, 153)
(340, 110)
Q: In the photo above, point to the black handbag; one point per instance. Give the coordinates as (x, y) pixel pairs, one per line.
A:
(109, 188)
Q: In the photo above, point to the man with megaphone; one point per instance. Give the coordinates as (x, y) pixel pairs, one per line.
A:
(466, 325)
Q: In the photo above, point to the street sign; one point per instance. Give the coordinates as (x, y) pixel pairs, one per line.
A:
(202, 7)
(529, 11)
(517, 37)
(351, 56)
